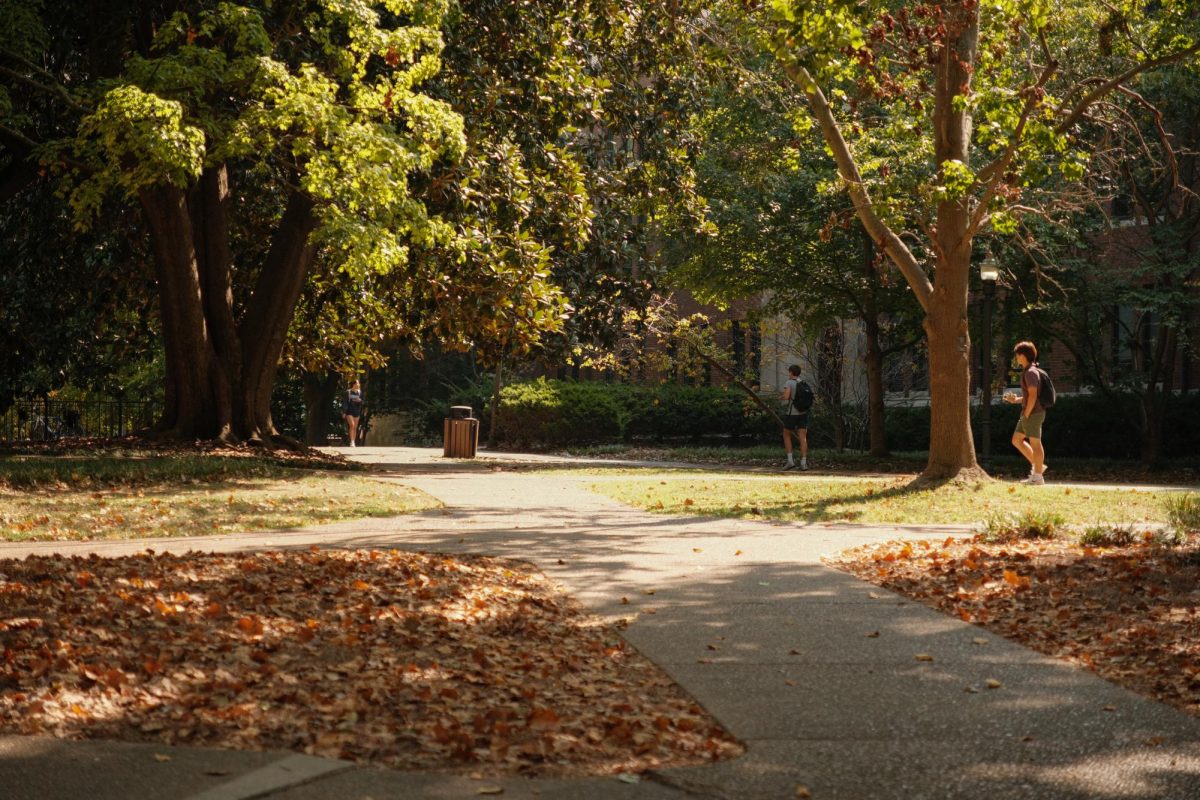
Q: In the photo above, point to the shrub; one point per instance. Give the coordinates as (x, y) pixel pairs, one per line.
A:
(670, 410)
(1183, 516)
(1030, 524)
(554, 413)
(1103, 535)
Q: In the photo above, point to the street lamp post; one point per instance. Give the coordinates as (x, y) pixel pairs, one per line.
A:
(989, 272)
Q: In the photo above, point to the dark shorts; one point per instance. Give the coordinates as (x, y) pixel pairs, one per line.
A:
(795, 422)
(352, 412)
(1031, 427)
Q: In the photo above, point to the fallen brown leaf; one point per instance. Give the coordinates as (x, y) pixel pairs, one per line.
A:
(477, 662)
(1128, 613)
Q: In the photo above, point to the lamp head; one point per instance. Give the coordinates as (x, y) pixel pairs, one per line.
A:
(989, 269)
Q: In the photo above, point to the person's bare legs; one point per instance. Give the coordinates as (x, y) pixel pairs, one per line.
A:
(802, 436)
(787, 444)
(1033, 451)
(352, 422)
(1022, 444)
(1039, 456)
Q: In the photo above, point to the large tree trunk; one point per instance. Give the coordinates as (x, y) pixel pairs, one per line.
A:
(220, 373)
(191, 409)
(830, 361)
(951, 448)
(269, 312)
(209, 207)
(1159, 385)
(876, 408)
(320, 391)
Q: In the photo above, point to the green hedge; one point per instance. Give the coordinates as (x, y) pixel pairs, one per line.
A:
(550, 413)
(1079, 426)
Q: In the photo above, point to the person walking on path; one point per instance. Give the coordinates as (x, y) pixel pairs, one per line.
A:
(352, 409)
(1027, 438)
(798, 397)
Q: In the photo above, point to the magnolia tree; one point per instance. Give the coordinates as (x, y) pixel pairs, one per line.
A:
(951, 120)
(258, 139)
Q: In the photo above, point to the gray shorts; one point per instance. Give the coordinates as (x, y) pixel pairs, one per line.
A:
(1031, 427)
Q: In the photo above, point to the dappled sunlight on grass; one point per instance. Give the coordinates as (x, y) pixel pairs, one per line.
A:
(193, 508)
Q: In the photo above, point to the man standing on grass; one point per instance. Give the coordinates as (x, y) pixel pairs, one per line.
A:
(798, 398)
(1027, 438)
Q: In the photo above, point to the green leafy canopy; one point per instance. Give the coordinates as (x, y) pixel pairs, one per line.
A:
(339, 110)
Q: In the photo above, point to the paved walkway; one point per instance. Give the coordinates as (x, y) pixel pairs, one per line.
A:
(818, 703)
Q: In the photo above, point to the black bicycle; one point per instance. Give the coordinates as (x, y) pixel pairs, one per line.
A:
(43, 428)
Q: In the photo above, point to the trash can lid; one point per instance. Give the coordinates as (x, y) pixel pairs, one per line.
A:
(461, 412)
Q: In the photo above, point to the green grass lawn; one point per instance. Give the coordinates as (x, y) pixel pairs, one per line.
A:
(1006, 462)
(141, 495)
(876, 500)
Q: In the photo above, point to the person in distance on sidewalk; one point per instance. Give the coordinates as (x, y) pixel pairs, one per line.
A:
(798, 398)
(1027, 437)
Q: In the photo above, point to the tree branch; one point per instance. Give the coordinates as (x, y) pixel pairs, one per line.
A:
(883, 236)
(991, 175)
(902, 347)
(1112, 84)
(52, 89)
(1163, 137)
(17, 136)
(736, 381)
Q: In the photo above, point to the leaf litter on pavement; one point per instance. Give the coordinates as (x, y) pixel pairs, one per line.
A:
(1129, 613)
(406, 660)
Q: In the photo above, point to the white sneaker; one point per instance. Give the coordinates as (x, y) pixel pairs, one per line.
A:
(1034, 480)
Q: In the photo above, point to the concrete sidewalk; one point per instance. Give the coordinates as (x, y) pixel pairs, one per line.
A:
(818, 702)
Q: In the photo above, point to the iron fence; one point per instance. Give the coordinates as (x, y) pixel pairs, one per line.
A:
(48, 419)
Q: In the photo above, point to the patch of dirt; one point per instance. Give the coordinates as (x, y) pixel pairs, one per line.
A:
(1130, 614)
(407, 660)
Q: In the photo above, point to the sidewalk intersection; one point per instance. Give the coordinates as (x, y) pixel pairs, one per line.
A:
(819, 703)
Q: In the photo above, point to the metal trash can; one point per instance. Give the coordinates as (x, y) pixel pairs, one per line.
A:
(460, 433)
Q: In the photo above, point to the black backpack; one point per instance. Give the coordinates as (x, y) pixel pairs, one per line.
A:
(1046, 393)
(802, 399)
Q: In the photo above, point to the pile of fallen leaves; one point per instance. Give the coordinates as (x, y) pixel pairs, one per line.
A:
(410, 660)
(1127, 613)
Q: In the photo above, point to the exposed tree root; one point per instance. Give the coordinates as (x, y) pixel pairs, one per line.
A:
(934, 477)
